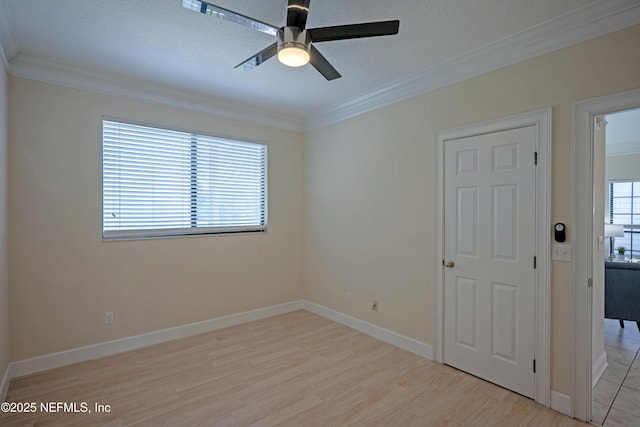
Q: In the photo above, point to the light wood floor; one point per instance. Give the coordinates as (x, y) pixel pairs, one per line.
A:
(296, 369)
(616, 397)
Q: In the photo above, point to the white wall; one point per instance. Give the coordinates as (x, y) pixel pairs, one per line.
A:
(64, 277)
(624, 126)
(624, 130)
(623, 167)
(371, 190)
(4, 266)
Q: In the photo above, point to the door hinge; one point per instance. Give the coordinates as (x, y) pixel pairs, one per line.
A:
(535, 157)
(589, 282)
(535, 262)
(534, 366)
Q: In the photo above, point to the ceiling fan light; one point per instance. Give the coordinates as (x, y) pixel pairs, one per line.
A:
(293, 56)
(293, 46)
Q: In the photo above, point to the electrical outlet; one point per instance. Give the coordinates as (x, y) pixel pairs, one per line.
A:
(374, 306)
(108, 317)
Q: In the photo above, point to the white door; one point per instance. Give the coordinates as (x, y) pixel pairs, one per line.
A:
(489, 249)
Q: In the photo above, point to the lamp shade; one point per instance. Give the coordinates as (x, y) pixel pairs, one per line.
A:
(613, 230)
(294, 45)
(293, 56)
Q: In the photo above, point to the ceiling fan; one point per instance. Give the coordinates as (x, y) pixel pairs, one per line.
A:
(294, 44)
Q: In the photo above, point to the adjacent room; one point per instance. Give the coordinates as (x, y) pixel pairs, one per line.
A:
(312, 213)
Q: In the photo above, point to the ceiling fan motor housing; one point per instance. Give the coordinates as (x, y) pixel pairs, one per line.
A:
(294, 37)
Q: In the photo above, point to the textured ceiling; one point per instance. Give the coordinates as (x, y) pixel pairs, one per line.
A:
(158, 41)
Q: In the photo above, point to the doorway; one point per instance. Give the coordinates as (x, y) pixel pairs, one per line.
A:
(458, 296)
(586, 240)
(616, 268)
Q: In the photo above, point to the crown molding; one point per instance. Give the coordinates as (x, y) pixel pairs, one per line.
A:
(593, 20)
(49, 71)
(596, 19)
(7, 35)
(623, 148)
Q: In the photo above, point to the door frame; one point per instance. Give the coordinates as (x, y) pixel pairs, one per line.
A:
(541, 119)
(583, 114)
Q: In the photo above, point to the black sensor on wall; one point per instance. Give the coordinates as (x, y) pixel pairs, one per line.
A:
(559, 232)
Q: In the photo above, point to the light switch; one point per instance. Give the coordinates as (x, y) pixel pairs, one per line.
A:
(601, 243)
(561, 252)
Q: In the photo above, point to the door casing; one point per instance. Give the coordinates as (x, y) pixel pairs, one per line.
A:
(541, 119)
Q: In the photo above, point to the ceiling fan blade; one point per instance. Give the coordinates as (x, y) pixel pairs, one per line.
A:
(321, 64)
(229, 15)
(354, 31)
(297, 11)
(258, 58)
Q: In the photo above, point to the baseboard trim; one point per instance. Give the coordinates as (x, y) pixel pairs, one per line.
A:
(55, 360)
(598, 368)
(46, 362)
(561, 402)
(393, 338)
(4, 385)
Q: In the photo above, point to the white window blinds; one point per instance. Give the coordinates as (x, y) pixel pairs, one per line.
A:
(159, 182)
(624, 209)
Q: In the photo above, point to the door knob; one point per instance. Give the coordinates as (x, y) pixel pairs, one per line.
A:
(449, 263)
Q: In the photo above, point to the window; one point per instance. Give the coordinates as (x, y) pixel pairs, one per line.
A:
(160, 182)
(624, 208)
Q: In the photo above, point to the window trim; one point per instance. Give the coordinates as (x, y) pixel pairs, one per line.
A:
(164, 233)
